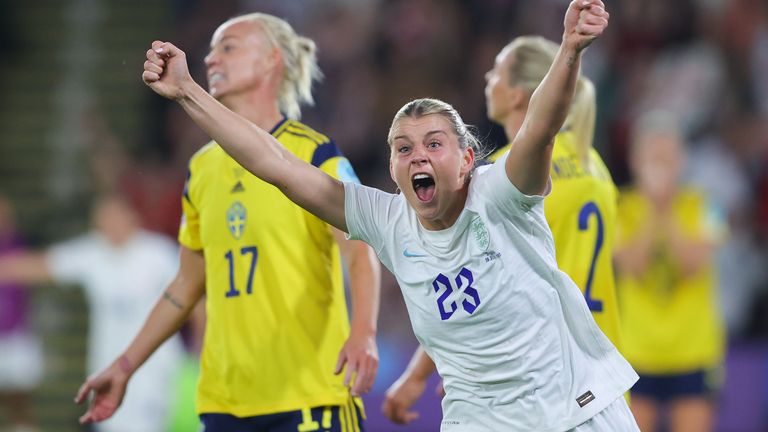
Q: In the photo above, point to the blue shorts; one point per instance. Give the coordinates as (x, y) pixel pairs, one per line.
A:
(662, 388)
(345, 418)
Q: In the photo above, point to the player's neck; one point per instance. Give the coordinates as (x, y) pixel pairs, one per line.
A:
(261, 111)
(450, 214)
(512, 124)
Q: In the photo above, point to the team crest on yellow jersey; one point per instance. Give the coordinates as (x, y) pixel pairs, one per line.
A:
(236, 218)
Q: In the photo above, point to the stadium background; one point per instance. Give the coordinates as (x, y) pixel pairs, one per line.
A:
(75, 119)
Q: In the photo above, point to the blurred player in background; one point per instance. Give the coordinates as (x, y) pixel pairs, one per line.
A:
(21, 361)
(471, 250)
(671, 326)
(581, 209)
(277, 334)
(123, 271)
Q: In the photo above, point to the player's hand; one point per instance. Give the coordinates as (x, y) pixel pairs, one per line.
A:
(584, 21)
(361, 356)
(400, 397)
(165, 70)
(108, 388)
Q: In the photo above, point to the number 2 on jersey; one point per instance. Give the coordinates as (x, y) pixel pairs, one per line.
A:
(254, 252)
(588, 210)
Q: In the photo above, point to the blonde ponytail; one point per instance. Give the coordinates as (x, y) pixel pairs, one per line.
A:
(533, 56)
(581, 119)
(306, 72)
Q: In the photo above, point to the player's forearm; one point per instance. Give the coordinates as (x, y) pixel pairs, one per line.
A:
(551, 100)
(167, 316)
(24, 268)
(529, 161)
(261, 154)
(365, 287)
(692, 255)
(633, 258)
(420, 368)
(254, 148)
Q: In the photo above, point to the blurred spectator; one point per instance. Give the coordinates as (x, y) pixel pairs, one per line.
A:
(123, 270)
(21, 362)
(671, 328)
(150, 184)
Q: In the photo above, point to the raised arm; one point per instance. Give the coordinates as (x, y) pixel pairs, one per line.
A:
(165, 71)
(529, 159)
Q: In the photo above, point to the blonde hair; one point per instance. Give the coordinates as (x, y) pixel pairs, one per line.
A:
(655, 123)
(299, 56)
(418, 108)
(533, 55)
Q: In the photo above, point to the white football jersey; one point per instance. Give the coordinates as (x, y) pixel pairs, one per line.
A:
(510, 334)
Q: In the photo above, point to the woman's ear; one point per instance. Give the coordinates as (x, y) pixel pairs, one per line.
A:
(392, 172)
(275, 58)
(468, 160)
(518, 98)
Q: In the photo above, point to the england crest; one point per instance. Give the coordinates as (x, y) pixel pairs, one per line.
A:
(480, 233)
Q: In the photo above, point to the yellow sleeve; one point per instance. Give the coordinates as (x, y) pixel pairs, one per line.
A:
(189, 229)
(329, 159)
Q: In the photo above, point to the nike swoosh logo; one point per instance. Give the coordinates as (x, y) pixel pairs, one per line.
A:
(408, 254)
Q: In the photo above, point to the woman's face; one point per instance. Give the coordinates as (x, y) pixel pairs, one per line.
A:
(430, 168)
(497, 87)
(240, 59)
(657, 163)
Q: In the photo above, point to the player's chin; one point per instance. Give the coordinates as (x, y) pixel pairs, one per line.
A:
(216, 91)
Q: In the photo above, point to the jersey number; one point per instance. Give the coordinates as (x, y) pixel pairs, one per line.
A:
(442, 282)
(248, 250)
(588, 210)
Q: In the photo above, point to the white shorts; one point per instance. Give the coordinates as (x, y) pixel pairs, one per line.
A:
(21, 362)
(616, 417)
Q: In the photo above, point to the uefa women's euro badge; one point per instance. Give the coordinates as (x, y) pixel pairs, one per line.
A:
(236, 218)
(480, 233)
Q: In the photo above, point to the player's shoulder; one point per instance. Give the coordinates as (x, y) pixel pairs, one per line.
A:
(691, 197)
(205, 152)
(296, 130)
(315, 148)
(629, 196)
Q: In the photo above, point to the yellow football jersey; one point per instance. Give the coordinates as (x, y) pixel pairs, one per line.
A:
(277, 316)
(581, 211)
(670, 322)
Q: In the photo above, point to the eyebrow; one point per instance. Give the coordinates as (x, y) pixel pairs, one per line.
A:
(428, 134)
(435, 132)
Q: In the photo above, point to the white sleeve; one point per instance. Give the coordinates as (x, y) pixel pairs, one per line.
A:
(365, 210)
(492, 183)
(69, 261)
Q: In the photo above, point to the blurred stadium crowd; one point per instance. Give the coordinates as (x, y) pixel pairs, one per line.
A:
(76, 121)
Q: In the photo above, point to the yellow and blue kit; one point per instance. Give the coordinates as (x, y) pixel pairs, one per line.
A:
(275, 303)
(670, 321)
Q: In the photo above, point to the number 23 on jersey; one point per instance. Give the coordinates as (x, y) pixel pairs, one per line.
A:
(444, 286)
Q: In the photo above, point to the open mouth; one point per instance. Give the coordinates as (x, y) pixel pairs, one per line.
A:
(424, 186)
(215, 78)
